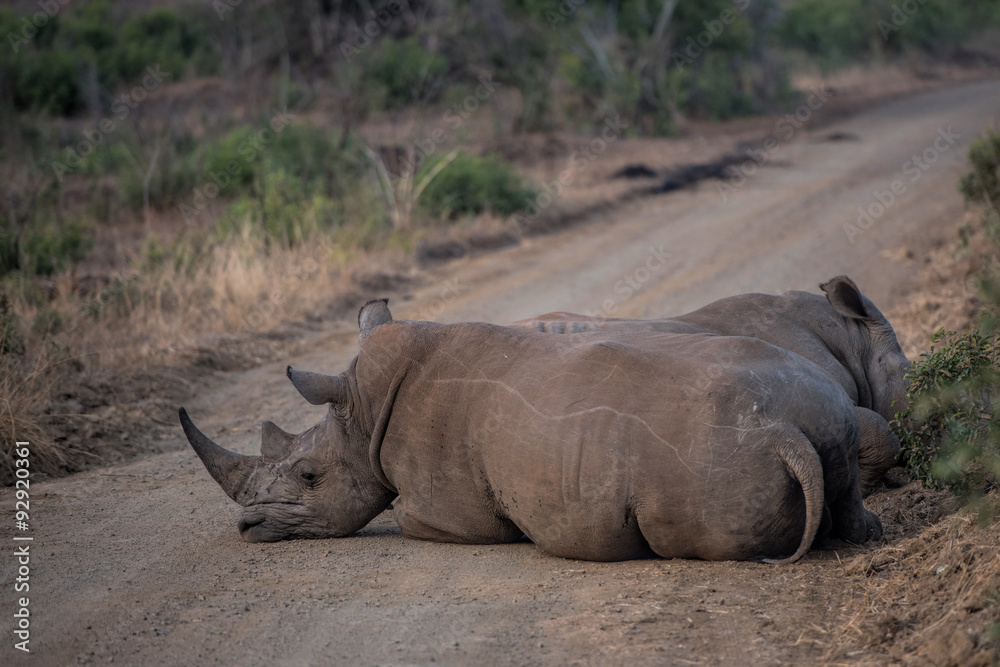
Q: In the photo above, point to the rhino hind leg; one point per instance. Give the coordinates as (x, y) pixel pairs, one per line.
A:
(851, 521)
(878, 451)
(772, 515)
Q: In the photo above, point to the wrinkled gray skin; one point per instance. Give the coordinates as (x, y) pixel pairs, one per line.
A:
(844, 333)
(477, 435)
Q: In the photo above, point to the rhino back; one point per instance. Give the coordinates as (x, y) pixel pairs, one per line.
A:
(800, 322)
(571, 441)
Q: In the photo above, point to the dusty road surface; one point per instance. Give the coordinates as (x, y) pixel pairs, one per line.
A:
(142, 564)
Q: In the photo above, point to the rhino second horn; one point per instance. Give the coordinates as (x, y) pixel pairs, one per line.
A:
(229, 469)
(275, 444)
(317, 388)
(371, 315)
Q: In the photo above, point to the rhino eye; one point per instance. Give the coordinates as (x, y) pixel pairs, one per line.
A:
(309, 477)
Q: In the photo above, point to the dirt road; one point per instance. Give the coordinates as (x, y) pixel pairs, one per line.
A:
(142, 563)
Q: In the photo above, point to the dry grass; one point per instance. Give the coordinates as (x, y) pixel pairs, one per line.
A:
(137, 315)
(25, 388)
(930, 599)
(949, 297)
(98, 347)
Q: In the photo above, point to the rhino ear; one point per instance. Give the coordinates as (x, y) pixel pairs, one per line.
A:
(317, 388)
(275, 444)
(371, 315)
(846, 298)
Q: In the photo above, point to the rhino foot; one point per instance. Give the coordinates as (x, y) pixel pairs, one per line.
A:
(874, 526)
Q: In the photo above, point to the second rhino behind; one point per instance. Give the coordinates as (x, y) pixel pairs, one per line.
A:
(842, 332)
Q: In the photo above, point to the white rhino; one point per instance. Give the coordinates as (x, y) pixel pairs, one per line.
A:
(844, 333)
(694, 446)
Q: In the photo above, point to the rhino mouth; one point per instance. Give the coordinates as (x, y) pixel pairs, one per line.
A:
(273, 522)
(256, 528)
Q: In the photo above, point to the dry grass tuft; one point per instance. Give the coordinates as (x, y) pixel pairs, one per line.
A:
(101, 352)
(25, 389)
(932, 598)
(949, 297)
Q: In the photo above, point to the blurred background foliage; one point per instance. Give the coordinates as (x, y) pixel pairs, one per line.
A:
(566, 64)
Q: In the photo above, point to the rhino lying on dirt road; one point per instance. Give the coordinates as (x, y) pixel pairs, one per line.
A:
(623, 449)
(844, 333)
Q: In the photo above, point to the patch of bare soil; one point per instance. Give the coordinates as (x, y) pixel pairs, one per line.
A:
(932, 598)
(948, 297)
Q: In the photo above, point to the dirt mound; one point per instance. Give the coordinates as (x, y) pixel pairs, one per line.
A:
(933, 598)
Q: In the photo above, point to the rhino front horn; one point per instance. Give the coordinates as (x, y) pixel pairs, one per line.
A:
(229, 469)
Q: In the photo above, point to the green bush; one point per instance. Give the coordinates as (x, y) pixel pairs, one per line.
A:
(300, 150)
(48, 81)
(950, 434)
(226, 150)
(937, 26)
(11, 342)
(174, 178)
(982, 184)
(10, 247)
(278, 211)
(470, 184)
(49, 71)
(834, 32)
(716, 90)
(53, 247)
(164, 38)
(300, 183)
(407, 72)
(48, 322)
(838, 33)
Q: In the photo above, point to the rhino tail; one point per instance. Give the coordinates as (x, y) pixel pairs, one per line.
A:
(804, 464)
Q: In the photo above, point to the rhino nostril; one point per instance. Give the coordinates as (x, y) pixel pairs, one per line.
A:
(245, 525)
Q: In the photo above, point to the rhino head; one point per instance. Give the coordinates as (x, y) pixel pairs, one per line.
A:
(870, 350)
(316, 484)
